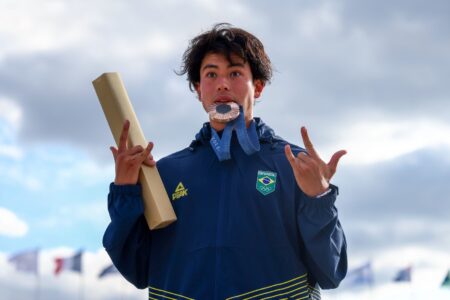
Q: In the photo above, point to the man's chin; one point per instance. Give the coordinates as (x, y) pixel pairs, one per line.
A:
(217, 125)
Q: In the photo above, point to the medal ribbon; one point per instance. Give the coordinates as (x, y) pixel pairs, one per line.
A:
(247, 138)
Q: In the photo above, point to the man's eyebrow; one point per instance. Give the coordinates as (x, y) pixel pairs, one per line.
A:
(235, 65)
(210, 66)
(231, 65)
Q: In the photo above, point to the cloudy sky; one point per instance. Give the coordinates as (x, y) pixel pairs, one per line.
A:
(370, 77)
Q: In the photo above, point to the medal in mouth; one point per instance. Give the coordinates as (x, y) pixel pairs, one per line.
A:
(247, 137)
(223, 112)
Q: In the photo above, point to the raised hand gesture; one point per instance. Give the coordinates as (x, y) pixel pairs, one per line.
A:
(129, 160)
(311, 172)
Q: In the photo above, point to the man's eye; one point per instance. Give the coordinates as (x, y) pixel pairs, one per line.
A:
(235, 74)
(211, 75)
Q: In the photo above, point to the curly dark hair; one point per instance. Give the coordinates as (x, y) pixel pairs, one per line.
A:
(225, 39)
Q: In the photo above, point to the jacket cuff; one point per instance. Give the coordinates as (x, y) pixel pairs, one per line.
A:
(325, 200)
(127, 189)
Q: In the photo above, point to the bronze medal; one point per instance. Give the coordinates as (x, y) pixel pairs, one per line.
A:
(223, 112)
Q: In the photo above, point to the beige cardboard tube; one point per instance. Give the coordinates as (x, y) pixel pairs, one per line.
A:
(117, 107)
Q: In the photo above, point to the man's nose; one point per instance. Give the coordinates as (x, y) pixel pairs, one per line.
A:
(223, 84)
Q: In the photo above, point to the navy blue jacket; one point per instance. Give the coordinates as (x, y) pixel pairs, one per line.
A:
(244, 230)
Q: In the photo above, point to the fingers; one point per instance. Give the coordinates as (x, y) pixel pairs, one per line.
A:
(136, 153)
(308, 144)
(140, 155)
(305, 162)
(124, 137)
(289, 155)
(136, 150)
(303, 157)
(150, 162)
(335, 159)
(299, 162)
(147, 150)
(148, 157)
(150, 147)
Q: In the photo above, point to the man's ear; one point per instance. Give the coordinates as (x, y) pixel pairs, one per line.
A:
(197, 89)
(259, 86)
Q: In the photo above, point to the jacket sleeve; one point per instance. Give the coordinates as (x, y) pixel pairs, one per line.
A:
(324, 244)
(127, 238)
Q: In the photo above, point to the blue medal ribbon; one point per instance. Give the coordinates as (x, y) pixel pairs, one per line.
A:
(247, 137)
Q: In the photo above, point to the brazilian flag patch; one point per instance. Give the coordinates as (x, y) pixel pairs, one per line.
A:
(266, 182)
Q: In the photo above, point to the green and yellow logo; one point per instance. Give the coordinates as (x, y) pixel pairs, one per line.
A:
(180, 191)
(266, 182)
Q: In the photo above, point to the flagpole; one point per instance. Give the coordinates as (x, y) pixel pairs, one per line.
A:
(372, 280)
(81, 285)
(38, 277)
(124, 294)
(411, 293)
(38, 287)
(370, 284)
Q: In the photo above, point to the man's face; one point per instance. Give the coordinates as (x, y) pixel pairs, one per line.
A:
(223, 81)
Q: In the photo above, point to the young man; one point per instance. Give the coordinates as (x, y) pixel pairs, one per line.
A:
(255, 220)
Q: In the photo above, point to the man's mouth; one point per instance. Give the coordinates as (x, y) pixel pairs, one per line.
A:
(224, 99)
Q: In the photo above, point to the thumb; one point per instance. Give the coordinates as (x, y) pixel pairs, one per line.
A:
(114, 152)
(335, 160)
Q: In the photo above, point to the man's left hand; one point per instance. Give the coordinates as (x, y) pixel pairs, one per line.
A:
(311, 172)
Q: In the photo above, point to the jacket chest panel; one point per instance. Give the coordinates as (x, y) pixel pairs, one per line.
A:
(233, 204)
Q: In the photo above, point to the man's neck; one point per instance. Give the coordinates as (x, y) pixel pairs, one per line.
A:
(221, 126)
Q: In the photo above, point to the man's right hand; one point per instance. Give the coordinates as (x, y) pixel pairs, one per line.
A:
(129, 160)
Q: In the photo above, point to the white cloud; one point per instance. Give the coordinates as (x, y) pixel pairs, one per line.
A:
(217, 7)
(374, 140)
(28, 27)
(11, 151)
(94, 213)
(11, 225)
(51, 166)
(84, 172)
(95, 28)
(10, 123)
(16, 174)
(11, 112)
(315, 22)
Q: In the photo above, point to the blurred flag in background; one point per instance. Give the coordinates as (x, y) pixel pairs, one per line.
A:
(446, 281)
(26, 261)
(362, 275)
(108, 271)
(403, 275)
(72, 263)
